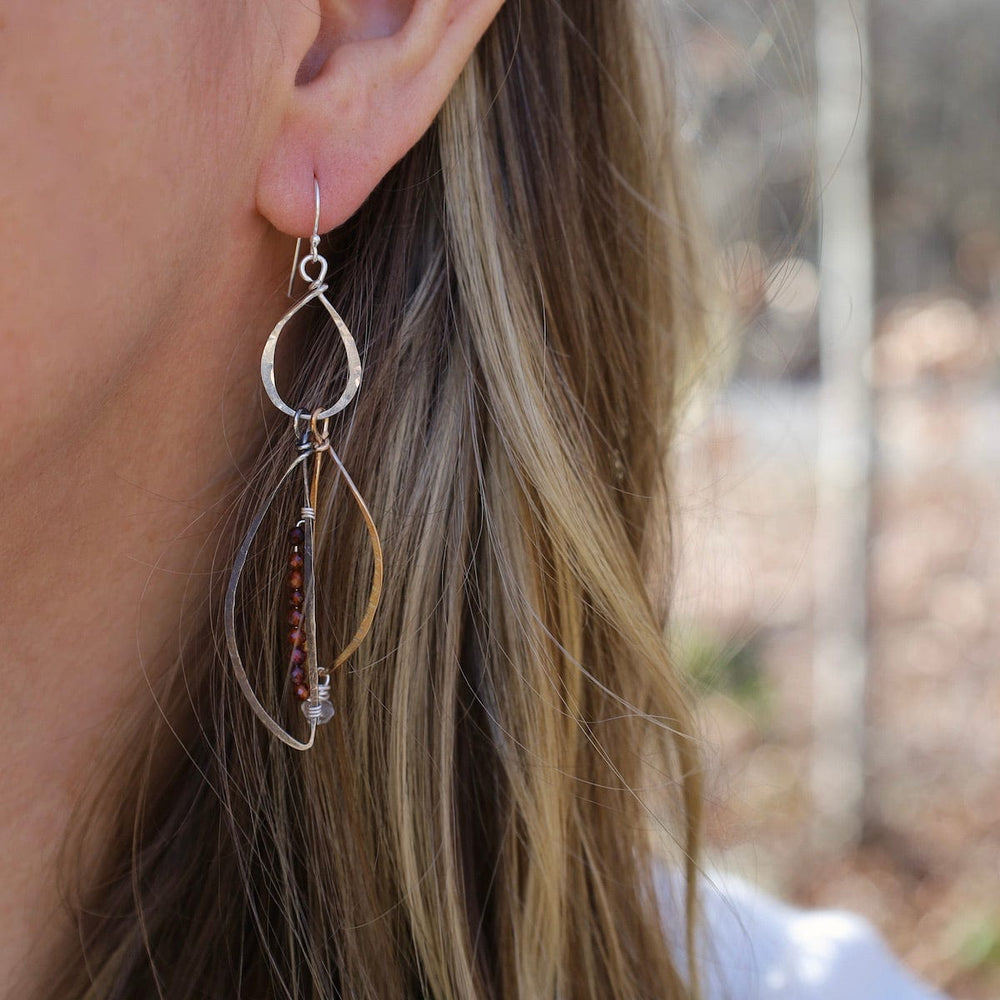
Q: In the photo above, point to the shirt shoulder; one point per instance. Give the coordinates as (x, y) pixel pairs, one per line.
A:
(754, 947)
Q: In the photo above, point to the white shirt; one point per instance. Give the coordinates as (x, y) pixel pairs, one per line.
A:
(757, 948)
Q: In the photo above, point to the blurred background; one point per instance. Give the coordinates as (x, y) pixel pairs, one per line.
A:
(839, 497)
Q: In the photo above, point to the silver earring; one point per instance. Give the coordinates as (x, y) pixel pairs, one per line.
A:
(310, 682)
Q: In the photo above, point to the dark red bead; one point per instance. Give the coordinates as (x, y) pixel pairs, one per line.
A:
(297, 536)
(295, 618)
(298, 598)
(302, 692)
(295, 561)
(298, 676)
(298, 657)
(295, 580)
(297, 637)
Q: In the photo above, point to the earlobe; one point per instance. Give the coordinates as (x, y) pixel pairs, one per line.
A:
(362, 99)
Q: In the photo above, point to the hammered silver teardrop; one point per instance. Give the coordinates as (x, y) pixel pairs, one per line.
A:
(350, 348)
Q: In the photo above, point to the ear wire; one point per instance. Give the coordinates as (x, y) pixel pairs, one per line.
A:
(313, 241)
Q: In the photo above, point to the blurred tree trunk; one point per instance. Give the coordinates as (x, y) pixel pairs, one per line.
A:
(844, 462)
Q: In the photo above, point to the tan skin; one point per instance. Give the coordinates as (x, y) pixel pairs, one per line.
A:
(158, 159)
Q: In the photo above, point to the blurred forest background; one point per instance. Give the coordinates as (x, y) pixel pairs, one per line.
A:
(876, 788)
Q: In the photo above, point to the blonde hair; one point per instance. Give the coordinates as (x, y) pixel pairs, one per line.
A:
(526, 288)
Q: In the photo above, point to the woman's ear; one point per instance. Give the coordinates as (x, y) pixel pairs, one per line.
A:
(362, 81)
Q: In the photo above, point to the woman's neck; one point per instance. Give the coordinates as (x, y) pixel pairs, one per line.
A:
(106, 533)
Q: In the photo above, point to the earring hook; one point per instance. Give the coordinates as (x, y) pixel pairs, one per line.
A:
(314, 254)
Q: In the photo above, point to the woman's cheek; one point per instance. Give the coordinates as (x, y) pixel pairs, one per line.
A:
(114, 155)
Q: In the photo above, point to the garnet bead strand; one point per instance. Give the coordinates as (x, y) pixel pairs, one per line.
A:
(296, 617)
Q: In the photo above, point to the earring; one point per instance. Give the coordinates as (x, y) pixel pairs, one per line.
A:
(310, 682)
